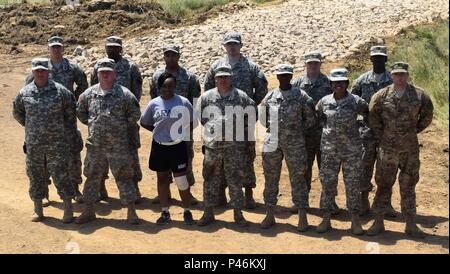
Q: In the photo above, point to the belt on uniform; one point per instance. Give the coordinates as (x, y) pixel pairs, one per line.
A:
(170, 143)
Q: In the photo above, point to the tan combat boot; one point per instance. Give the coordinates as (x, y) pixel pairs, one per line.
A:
(38, 215)
(365, 204)
(302, 220)
(132, 217)
(239, 218)
(87, 215)
(325, 225)
(269, 220)
(412, 229)
(207, 218)
(377, 226)
(356, 225)
(68, 211)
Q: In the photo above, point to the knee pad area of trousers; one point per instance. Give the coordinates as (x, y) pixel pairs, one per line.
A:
(182, 182)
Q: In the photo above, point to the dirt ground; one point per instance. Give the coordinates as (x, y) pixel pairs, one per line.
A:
(111, 234)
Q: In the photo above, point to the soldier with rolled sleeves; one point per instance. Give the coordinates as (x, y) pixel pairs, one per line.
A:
(316, 85)
(129, 76)
(341, 146)
(224, 139)
(187, 86)
(293, 112)
(397, 113)
(68, 74)
(365, 86)
(248, 77)
(47, 111)
(108, 109)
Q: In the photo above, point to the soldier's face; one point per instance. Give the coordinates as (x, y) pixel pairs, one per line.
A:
(40, 76)
(313, 68)
(56, 52)
(233, 49)
(339, 86)
(106, 77)
(113, 52)
(223, 83)
(171, 58)
(378, 61)
(168, 88)
(284, 79)
(400, 78)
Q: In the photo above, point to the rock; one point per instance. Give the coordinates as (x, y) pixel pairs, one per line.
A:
(78, 51)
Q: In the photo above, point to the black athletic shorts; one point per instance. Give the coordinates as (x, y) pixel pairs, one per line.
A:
(165, 158)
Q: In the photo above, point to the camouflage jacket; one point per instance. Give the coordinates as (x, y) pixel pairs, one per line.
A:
(128, 75)
(340, 125)
(68, 75)
(296, 113)
(247, 77)
(396, 121)
(187, 85)
(47, 114)
(214, 132)
(317, 90)
(108, 116)
(365, 86)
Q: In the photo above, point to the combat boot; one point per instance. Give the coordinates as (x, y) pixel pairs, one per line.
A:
(356, 225)
(207, 218)
(269, 220)
(412, 229)
(38, 215)
(239, 218)
(132, 217)
(302, 220)
(87, 215)
(365, 204)
(68, 211)
(377, 226)
(325, 225)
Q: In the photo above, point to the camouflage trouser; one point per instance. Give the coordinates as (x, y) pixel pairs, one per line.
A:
(329, 171)
(368, 161)
(295, 158)
(388, 163)
(312, 144)
(135, 165)
(75, 169)
(45, 160)
(96, 162)
(224, 163)
(250, 177)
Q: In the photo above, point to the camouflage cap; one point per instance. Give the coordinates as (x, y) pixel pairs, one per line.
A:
(284, 69)
(378, 50)
(55, 41)
(223, 71)
(113, 41)
(105, 64)
(232, 37)
(40, 63)
(338, 74)
(399, 67)
(313, 56)
(171, 47)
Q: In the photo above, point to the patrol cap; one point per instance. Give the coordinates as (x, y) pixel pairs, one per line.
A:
(378, 50)
(338, 74)
(223, 71)
(232, 37)
(313, 56)
(113, 41)
(55, 41)
(40, 63)
(284, 69)
(171, 47)
(105, 64)
(399, 67)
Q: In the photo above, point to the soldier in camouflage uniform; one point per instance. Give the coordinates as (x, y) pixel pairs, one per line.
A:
(129, 76)
(247, 77)
(293, 111)
(316, 85)
(365, 86)
(397, 113)
(187, 86)
(47, 111)
(108, 109)
(225, 154)
(341, 146)
(68, 74)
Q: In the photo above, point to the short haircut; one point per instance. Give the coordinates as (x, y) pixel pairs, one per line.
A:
(163, 77)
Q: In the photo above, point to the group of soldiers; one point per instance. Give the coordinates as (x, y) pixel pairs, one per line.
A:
(319, 118)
